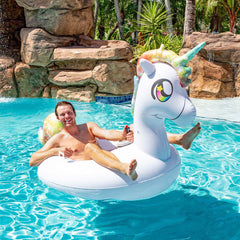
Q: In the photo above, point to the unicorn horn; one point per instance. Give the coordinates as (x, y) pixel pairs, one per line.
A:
(183, 60)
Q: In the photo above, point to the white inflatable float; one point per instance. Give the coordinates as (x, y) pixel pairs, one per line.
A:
(160, 94)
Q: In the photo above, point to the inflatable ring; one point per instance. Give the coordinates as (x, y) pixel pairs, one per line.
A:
(87, 179)
(159, 95)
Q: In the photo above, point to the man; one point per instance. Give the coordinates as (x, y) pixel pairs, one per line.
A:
(78, 142)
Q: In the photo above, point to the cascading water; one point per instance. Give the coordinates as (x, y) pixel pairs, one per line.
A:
(210, 56)
(4, 37)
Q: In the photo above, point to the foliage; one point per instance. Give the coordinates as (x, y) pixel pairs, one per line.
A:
(220, 8)
(173, 43)
(153, 30)
(178, 15)
(107, 19)
(152, 23)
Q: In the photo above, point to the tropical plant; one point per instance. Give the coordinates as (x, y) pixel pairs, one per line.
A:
(231, 7)
(171, 42)
(152, 23)
(178, 15)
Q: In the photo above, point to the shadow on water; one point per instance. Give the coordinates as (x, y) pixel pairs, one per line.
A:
(174, 215)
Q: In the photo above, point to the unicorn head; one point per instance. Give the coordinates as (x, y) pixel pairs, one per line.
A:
(161, 95)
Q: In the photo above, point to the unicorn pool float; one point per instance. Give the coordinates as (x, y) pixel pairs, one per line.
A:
(159, 94)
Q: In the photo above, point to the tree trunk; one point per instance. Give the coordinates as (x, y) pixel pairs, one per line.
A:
(134, 34)
(169, 17)
(190, 16)
(95, 14)
(119, 19)
(139, 10)
(216, 22)
(138, 19)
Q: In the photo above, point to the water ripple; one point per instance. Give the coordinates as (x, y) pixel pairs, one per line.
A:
(202, 204)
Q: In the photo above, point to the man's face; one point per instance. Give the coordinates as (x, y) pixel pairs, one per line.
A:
(66, 115)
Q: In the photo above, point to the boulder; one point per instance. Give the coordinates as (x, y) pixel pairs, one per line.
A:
(215, 68)
(30, 80)
(62, 21)
(84, 94)
(70, 78)
(122, 49)
(237, 82)
(60, 59)
(220, 47)
(116, 50)
(8, 86)
(105, 76)
(6, 62)
(74, 64)
(114, 77)
(38, 46)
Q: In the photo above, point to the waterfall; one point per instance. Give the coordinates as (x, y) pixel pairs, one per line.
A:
(4, 37)
(210, 56)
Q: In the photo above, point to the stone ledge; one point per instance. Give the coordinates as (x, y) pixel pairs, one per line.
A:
(79, 53)
(71, 78)
(45, 4)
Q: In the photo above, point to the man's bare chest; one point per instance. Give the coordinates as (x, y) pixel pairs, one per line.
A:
(77, 142)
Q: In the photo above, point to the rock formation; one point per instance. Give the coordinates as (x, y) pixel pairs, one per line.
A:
(216, 68)
(59, 58)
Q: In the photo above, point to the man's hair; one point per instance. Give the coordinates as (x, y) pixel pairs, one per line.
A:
(62, 103)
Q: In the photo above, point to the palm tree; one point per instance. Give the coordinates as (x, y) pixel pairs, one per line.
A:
(169, 18)
(95, 14)
(119, 19)
(139, 10)
(190, 16)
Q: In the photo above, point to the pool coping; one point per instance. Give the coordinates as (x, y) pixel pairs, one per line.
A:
(223, 109)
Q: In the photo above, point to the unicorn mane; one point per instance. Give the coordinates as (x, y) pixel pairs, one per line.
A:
(170, 57)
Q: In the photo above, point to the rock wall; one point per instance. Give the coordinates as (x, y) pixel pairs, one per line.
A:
(216, 68)
(59, 58)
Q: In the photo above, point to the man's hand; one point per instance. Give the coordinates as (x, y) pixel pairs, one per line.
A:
(128, 133)
(67, 151)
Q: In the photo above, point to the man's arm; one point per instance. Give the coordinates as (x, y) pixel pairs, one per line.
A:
(112, 135)
(48, 150)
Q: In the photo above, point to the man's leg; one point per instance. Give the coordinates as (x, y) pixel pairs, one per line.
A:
(109, 160)
(184, 140)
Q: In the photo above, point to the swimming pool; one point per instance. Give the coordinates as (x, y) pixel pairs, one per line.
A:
(204, 202)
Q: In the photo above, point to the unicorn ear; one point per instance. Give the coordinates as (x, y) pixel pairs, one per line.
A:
(147, 67)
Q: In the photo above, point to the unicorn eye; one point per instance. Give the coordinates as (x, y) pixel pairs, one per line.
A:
(162, 89)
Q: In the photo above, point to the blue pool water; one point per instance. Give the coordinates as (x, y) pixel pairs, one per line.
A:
(204, 202)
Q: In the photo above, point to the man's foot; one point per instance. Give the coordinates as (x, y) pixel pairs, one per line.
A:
(188, 137)
(131, 172)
